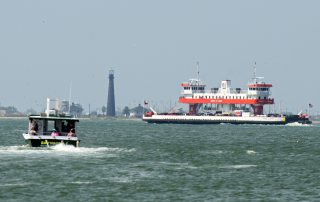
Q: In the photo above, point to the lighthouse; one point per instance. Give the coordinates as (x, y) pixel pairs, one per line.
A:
(111, 108)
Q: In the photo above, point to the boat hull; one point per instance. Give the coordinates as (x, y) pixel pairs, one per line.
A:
(47, 141)
(181, 119)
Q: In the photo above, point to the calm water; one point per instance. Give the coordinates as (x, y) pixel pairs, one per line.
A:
(129, 160)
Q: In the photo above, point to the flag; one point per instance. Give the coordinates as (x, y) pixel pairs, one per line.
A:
(310, 105)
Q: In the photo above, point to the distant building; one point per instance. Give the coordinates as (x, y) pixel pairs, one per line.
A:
(138, 111)
(76, 110)
(2, 112)
(9, 111)
(57, 106)
(64, 107)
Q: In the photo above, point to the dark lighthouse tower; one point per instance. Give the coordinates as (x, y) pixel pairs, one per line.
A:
(111, 108)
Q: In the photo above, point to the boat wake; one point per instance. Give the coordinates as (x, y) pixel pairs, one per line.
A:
(72, 149)
(298, 124)
(61, 149)
(238, 166)
(251, 152)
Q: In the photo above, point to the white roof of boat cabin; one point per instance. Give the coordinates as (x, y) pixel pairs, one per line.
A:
(66, 118)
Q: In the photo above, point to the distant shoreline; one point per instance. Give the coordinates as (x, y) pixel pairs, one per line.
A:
(13, 117)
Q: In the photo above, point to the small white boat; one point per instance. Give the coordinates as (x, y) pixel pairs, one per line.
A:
(51, 128)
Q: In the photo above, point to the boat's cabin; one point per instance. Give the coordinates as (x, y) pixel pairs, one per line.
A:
(46, 125)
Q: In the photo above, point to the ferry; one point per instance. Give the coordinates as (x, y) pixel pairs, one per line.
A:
(225, 105)
(51, 128)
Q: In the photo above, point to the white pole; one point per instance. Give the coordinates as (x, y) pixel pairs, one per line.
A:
(70, 90)
(48, 106)
(198, 71)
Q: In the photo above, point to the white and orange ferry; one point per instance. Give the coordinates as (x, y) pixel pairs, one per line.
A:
(225, 105)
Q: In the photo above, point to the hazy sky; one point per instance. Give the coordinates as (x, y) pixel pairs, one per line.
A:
(153, 46)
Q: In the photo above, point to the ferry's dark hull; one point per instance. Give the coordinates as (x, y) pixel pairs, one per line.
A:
(228, 120)
(213, 122)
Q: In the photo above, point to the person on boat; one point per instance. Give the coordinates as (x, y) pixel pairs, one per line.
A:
(34, 128)
(55, 133)
(72, 133)
(64, 128)
(70, 124)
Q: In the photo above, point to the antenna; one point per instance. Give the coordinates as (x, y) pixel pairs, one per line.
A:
(255, 70)
(198, 72)
(70, 90)
(255, 73)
